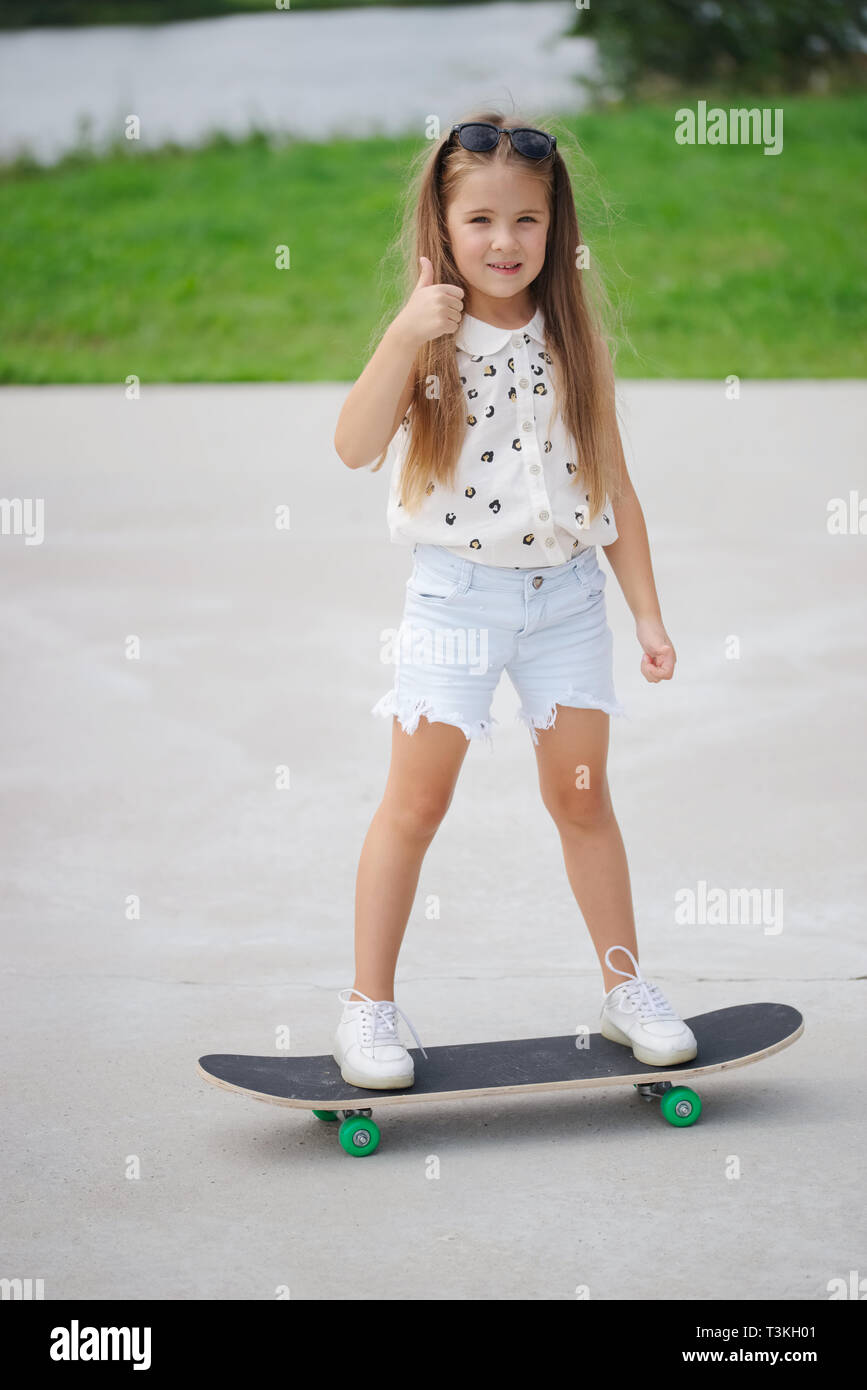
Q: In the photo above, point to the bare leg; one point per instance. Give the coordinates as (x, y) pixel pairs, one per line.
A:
(421, 782)
(593, 850)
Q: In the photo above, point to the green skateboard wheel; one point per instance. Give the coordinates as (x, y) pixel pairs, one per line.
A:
(359, 1136)
(680, 1106)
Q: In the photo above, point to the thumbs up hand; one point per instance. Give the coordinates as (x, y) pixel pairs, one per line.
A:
(431, 310)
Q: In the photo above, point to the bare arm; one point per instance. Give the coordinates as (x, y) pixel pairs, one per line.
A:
(629, 555)
(380, 397)
(378, 401)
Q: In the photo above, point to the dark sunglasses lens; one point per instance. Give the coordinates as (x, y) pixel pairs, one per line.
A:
(533, 144)
(478, 137)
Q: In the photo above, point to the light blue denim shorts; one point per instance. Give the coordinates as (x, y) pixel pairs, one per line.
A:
(464, 623)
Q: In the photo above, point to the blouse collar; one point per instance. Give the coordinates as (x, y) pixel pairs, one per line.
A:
(481, 339)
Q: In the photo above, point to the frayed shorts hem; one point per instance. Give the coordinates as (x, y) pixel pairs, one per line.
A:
(572, 700)
(409, 713)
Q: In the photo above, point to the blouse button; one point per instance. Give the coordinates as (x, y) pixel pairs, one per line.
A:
(543, 516)
(524, 382)
(517, 342)
(527, 425)
(535, 468)
(549, 540)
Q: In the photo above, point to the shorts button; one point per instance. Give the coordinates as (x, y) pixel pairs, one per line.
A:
(537, 580)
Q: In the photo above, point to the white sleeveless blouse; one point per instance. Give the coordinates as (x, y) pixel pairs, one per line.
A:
(515, 502)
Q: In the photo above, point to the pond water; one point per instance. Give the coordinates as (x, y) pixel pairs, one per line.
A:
(312, 75)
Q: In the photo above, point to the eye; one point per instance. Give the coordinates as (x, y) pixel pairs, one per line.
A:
(528, 217)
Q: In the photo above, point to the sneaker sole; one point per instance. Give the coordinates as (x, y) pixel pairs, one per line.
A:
(641, 1054)
(380, 1083)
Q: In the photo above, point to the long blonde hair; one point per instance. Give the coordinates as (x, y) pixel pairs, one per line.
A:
(574, 302)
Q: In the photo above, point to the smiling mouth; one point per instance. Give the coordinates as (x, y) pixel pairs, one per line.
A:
(504, 265)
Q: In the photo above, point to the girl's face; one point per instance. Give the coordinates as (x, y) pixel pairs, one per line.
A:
(498, 215)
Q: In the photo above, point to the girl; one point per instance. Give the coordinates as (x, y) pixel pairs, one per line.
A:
(496, 378)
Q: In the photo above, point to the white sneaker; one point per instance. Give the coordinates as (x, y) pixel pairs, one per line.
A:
(638, 1014)
(367, 1047)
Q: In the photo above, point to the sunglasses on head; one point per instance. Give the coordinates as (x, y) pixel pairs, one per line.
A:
(482, 135)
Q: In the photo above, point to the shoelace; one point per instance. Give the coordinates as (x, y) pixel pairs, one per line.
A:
(378, 1019)
(648, 999)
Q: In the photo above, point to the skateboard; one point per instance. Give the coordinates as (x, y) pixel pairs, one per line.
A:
(726, 1038)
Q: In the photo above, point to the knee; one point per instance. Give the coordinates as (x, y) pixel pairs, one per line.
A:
(418, 814)
(588, 808)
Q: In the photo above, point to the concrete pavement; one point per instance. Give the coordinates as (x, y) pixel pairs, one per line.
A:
(163, 897)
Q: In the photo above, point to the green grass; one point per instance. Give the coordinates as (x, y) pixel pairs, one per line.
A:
(730, 260)
(162, 264)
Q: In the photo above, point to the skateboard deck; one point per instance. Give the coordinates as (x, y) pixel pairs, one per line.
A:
(727, 1038)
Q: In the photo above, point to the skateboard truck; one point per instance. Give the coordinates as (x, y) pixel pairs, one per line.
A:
(652, 1090)
(679, 1104)
(358, 1134)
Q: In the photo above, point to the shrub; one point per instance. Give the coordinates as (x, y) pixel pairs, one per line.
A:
(765, 44)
